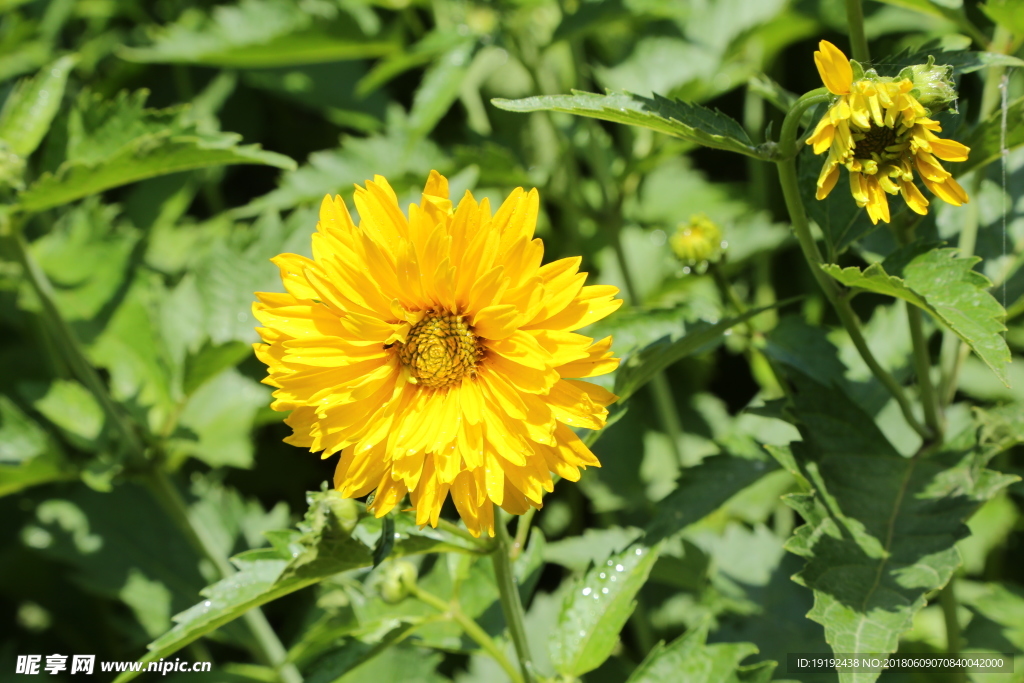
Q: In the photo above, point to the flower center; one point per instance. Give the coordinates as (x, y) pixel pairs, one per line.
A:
(441, 350)
(873, 143)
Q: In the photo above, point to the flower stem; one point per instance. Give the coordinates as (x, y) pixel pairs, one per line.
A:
(858, 41)
(269, 648)
(954, 352)
(471, 628)
(661, 390)
(68, 344)
(947, 600)
(522, 534)
(786, 164)
(510, 602)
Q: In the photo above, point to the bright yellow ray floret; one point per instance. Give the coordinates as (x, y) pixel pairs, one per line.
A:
(436, 354)
(881, 133)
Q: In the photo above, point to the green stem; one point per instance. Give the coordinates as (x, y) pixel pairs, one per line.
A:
(947, 600)
(67, 342)
(661, 390)
(858, 41)
(268, 647)
(801, 227)
(522, 534)
(509, 594)
(483, 545)
(471, 628)
(953, 352)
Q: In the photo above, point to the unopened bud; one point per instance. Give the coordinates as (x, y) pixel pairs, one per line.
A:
(933, 84)
(398, 578)
(698, 241)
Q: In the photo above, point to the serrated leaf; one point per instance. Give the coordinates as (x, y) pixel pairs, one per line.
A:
(962, 61)
(689, 658)
(945, 286)
(685, 120)
(259, 33)
(641, 367)
(881, 529)
(337, 535)
(595, 610)
(119, 142)
(702, 490)
(31, 107)
(986, 141)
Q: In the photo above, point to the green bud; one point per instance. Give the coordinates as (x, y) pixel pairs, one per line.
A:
(933, 84)
(698, 241)
(398, 577)
(344, 510)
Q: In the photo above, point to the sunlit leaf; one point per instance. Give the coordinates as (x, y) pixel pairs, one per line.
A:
(685, 120)
(31, 107)
(945, 286)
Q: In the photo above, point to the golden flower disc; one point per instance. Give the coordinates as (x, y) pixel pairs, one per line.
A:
(440, 351)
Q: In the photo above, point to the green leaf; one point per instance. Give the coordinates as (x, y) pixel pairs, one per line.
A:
(945, 286)
(210, 360)
(579, 552)
(336, 536)
(1007, 13)
(689, 658)
(595, 610)
(31, 107)
(404, 160)
(219, 419)
(28, 456)
(702, 490)
(1001, 428)
(439, 88)
(1002, 603)
(685, 120)
(986, 142)
(74, 410)
(880, 528)
(116, 142)
(640, 368)
(259, 33)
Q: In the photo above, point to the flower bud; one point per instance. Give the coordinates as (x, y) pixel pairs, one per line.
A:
(933, 84)
(345, 511)
(398, 577)
(698, 241)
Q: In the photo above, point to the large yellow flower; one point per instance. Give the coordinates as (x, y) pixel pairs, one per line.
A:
(881, 133)
(436, 353)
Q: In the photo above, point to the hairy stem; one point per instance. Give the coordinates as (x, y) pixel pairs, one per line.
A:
(858, 41)
(801, 227)
(509, 593)
(472, 629)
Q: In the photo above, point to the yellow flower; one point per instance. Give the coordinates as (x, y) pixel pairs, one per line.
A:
(881, 133)
(436, 353)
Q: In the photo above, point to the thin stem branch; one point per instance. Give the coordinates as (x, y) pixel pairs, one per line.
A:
(858, 41)
(68, 344)
(953, 351)
(471, 628)
(511, 605)
(947, 600)
(661, 390)
(801, 227)
(522, 534)
(268, 646)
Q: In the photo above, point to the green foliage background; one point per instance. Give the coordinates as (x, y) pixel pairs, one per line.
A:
(154, 154)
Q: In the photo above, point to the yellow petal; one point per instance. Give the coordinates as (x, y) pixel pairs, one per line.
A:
(834, 68)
